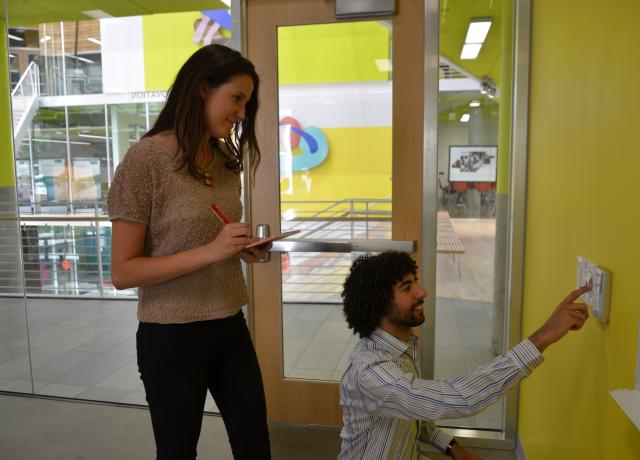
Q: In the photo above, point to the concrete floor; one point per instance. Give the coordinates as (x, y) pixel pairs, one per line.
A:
(35, 428)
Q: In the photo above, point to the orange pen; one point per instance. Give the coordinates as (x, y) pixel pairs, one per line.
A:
(220, 214)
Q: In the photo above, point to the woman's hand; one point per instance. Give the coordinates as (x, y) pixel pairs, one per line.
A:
(254, 254)
(230, 241)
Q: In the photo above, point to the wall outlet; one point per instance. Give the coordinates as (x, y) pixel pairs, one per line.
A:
(599, 298)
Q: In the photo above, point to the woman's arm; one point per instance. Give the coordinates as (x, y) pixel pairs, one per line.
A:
(130, 268)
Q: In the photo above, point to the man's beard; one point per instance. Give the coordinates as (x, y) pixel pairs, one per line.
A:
(409, 318)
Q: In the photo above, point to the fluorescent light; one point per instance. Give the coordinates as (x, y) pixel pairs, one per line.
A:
(464, 118)
(97, 14)
(94, 40)
(12, 55)
(13, 37)
(55, 141)
(470, 50)
(45, 39)
(474, 104)
(80, 58)
(478, 31)
(476, 34)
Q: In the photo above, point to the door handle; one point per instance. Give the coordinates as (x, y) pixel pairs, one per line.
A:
(302, 245)
(263, 231)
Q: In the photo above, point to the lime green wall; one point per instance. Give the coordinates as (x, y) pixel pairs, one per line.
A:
(359, 161)
(6, 149)
(505, 89)
(454, 22)
(583, 175)
(332, 53)
(358, 166)
(168, 43)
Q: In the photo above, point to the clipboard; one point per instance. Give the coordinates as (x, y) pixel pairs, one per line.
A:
(271, 239)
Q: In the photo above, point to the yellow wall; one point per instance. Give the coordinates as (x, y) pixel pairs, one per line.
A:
(6, 149)
(332, 53)
(168, 43)
(359, 161)
(584, 164)
(359, 156)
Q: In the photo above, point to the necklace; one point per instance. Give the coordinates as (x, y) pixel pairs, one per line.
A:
(207, 179)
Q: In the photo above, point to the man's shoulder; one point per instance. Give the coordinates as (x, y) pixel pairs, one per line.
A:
(366, 354)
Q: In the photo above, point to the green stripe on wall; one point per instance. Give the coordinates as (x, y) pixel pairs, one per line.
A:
(6, 133)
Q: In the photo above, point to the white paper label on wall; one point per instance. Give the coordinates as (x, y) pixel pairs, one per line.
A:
(599, 298)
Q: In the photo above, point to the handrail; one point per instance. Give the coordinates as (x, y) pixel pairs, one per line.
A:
(27, 73)
(301, 245)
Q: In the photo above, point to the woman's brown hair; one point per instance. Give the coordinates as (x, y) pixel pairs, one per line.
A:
(183, 112)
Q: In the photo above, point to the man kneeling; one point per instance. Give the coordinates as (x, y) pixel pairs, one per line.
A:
(383, 400)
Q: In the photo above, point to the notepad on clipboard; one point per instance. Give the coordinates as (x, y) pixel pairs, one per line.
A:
(271, 239)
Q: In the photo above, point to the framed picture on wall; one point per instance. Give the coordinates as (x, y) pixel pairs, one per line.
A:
(473, 163)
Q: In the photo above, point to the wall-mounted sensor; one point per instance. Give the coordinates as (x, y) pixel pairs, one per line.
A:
(599, 297)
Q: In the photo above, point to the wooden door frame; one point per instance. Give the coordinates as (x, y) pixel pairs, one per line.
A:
(314, 402)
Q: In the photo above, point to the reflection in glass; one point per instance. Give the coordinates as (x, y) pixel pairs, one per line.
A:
(127, 124)
(473, 171)
(102, 100)
(88, 146)
(335, 106)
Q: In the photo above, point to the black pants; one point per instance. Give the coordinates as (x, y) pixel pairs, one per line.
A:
(179, 362)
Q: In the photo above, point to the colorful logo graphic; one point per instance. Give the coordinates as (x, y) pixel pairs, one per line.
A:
(311, 142)
(210, 28)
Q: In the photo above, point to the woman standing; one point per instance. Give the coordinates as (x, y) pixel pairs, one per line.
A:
(168, 242)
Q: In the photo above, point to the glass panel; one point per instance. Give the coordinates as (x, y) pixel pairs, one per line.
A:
(83, 58)
(109, 78)
(334, 84)
(473, 173)
(127, 124)
(88, 146)
(15, 374)
(50, 169)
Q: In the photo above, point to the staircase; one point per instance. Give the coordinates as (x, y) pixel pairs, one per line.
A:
(24, 101)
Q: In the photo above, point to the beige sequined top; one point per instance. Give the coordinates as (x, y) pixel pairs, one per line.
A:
(176, 207)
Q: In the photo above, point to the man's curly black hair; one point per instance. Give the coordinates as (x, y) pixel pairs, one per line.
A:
(368, 290)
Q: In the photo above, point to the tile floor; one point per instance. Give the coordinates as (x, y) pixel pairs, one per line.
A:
(33, 428)
(86, 349)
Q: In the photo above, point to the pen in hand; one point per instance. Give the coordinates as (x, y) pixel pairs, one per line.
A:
(225, 220)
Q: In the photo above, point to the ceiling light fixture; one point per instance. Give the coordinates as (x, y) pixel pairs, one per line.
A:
(80, 58)
(474, 104)
(464, 118)
(97, 14)
(94, 40)
(470, 51)
(476, 35)
(478, 30)
(16, 38)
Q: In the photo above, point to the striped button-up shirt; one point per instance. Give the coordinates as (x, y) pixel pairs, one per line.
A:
(384, 401)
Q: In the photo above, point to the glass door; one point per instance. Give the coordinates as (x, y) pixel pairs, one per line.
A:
(340, 128)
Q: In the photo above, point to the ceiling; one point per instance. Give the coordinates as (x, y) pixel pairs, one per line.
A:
(455, 16)
(33, 12)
